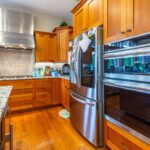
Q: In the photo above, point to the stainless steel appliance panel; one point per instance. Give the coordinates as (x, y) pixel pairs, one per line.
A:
(84, 70)
(128, 103)
(84, 117)
(16, 29)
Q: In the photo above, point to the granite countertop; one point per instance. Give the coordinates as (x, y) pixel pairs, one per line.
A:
(4, 96)
(30, 77)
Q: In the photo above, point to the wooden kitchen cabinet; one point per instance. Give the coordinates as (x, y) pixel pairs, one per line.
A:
(63, 36)
(22, 95)
(125, 18)
(43, 92)
(56, 91)
(94, 13)
(80, 20)
(119, 139)
(87, 14)
(45, 46)
(65, 93)
(138, 17)
(114, 20)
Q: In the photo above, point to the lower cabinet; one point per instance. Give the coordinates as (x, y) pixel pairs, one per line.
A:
(27, 94)
(119, 139)
(56, 91)
(22, 95)
(65, 93)
(43, 92)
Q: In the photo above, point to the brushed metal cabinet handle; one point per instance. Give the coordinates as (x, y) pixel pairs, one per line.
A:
(129, 30)
(122, 32)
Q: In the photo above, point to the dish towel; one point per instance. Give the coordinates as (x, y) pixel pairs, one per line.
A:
(64, 113)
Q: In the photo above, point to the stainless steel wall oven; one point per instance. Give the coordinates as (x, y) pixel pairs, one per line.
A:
(127, 85)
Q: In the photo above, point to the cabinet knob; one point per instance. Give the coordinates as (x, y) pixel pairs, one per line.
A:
(129, 30)
(122, 32)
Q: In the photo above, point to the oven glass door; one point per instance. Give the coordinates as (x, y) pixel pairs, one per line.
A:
(128, 65)
(130, 107)
(129, 43)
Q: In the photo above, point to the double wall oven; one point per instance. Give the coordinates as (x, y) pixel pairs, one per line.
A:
(127, 85)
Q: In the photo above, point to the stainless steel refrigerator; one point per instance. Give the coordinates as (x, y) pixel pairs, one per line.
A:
(86, 94)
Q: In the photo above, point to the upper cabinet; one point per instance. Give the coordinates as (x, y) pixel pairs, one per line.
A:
(114, 19)
(63, 36)
(79, 20)
(87, 14)
(94, 13)
(53, 47)
(138, 17)
(124, 18)
(45, 46)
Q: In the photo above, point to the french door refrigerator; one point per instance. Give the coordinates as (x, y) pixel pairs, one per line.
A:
(86, 98)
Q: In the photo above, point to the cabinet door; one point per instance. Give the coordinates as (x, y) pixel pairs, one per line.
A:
(138, 17)
(56, 91)
(114, 20)
(63, 45)
(95, 13)
(42, 45)
(43, 92)
(52, 50)
(80, 20)
(63, 92)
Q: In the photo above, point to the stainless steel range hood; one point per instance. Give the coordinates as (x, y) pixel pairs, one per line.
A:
(16, 30)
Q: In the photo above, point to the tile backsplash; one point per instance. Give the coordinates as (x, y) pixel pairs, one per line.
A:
(21, 62)
(16, 62)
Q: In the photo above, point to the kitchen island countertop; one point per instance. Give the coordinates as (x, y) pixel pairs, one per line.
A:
(4, 97)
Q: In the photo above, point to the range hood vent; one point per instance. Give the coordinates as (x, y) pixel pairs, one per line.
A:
(16, 30)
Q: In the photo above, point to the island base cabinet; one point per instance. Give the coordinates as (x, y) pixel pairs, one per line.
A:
(22, 95)
(119, 139)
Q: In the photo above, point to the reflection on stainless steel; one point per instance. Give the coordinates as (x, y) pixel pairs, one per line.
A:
(128, 103)
(128, 129)
(84, 117)
(16, 29)
(135, 86)
(86, 102)
(128, 53)
(129, 77)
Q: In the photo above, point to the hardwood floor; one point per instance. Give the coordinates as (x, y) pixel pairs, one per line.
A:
(45, 130)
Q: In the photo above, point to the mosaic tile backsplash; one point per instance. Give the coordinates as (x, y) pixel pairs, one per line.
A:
(16, 62)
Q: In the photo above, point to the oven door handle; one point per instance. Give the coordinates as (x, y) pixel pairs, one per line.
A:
(125, 53)
(141, 87)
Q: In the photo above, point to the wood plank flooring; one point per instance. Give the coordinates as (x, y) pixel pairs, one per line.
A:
(45, 130)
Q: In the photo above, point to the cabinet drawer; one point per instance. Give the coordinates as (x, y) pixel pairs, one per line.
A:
(118, 142)
(119, 139)
(28, 83)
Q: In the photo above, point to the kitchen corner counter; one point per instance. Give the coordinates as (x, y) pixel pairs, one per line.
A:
(4, 96)
(30, 78)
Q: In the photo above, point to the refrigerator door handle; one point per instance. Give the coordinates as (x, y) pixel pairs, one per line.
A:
(82, 101)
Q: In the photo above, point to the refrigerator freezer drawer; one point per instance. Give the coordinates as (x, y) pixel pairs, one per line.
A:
(84, 118)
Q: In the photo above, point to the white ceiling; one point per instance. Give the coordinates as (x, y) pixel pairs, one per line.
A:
(59, 8)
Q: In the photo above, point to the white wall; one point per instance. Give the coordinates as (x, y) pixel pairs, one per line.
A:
(43, 22)
(47, 22)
